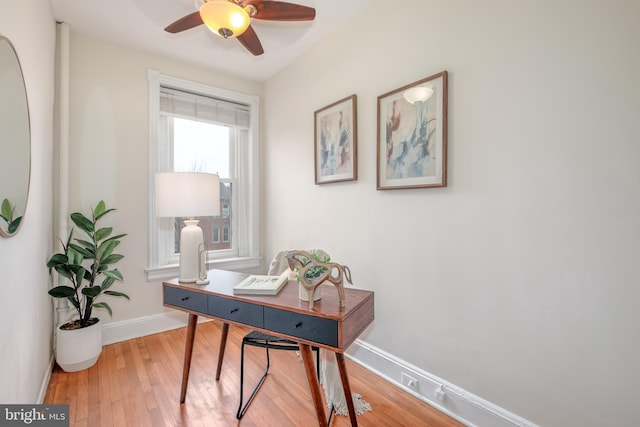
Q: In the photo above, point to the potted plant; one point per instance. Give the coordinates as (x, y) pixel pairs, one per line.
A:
(85, 266)
(311, 274)
(6, 213)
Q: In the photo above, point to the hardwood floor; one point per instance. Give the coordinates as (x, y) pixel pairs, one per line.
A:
(137, 383)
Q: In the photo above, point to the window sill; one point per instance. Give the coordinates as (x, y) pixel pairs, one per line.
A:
(165, 272)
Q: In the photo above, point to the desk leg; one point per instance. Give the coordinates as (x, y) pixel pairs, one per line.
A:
(342, 367)
(223, 345)
(314, 385)
(188, 352)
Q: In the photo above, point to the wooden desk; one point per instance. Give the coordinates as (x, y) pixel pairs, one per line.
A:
(283, 315)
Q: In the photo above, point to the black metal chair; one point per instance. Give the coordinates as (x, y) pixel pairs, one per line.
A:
(268, 342)
(271, 342)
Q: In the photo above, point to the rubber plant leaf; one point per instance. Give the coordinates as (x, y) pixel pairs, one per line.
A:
(117, 294)
(105, 249)
(82, 222)
(114, 274)
(85, 253)
(97, 217)
(62, 292)
(80, 275)
(85, 244)
(107, 282)
(13, 225)
(57, 259)
(119, 236)
(112, 259)
(103, 305)
(98, 211)
(75, 257)
(91, 291)
(64, 270)
(6, 212)
(103, 233)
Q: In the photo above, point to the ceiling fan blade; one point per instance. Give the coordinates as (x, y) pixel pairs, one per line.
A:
(281, 11)
(185, 23)
(250, 40)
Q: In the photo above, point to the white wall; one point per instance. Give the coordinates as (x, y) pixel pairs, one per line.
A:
(518, 282)
(109, 148)
(25, 307)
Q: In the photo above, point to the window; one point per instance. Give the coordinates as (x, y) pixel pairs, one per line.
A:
(197, 128)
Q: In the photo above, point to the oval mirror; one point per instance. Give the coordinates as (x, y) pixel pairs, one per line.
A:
(15, 141)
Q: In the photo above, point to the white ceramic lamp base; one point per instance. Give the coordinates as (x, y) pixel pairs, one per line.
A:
(192, 256)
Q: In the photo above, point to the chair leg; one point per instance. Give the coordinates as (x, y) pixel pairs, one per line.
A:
(332, 409)
(242, 409)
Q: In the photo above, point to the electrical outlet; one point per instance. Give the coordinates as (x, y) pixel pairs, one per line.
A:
(409, 381)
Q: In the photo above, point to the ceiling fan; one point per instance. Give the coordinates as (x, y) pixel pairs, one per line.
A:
(232, 18)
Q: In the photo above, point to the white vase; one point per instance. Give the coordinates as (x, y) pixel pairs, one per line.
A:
(79, 349)
(303, 294)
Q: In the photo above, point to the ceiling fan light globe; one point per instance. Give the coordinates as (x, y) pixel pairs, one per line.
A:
(224, 18)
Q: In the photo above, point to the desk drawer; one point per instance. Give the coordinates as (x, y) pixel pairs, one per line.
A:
(316, 329)
(237, 311)
(186, 299)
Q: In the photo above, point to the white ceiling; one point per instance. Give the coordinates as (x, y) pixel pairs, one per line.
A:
(140, 24)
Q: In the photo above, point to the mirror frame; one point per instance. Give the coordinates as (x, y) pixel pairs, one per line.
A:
(4, 231)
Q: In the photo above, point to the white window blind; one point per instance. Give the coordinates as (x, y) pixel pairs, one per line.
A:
(218, 111)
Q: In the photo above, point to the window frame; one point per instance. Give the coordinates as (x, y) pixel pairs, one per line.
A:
(248, 245)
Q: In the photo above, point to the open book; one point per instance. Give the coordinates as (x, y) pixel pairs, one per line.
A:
(261, 285)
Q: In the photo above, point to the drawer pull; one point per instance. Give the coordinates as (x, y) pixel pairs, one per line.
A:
(233, 310)
(184, 299)
(298, 325)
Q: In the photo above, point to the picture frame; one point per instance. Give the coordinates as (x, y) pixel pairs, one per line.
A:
(336, 142)
(412, 135)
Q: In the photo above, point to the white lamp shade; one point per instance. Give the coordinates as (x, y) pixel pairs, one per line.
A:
(182, 194)
(418, 93)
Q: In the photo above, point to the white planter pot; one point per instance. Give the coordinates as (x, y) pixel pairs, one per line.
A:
(79, 349)
(304, 295)
(302, 292)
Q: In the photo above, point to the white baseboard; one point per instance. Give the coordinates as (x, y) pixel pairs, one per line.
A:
(142, 326)
(45, 381)
(465, 407)
(135, 328)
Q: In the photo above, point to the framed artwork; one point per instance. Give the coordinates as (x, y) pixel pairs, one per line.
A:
(336, 142)
(412, 135)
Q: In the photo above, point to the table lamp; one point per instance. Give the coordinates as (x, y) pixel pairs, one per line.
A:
(186, 194)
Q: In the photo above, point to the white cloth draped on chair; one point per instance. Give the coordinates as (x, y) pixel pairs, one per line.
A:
(330, 375)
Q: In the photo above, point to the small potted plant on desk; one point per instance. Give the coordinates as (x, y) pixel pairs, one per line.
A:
(85, 266)
(312, 274)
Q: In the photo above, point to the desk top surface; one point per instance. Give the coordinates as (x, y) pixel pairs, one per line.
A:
(221, 283)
